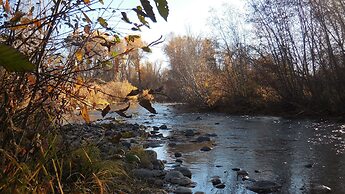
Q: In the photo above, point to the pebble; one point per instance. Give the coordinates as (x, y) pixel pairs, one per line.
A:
(220, 186)
(203, 139)
(189, 133)
(206, 149)
(179, 161)
(216, 180)
(177, 154)
(163, 127)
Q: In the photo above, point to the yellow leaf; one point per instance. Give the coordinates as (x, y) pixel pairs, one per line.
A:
(31, 80)
(85, 114)
(87, 1)
(79, 83)
(79, 55)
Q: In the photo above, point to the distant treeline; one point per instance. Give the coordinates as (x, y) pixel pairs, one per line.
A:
(288, 56)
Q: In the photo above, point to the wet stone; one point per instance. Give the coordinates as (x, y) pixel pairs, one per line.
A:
(185, 171)
(220, 186)
(189, 133)
(177, 154)
(179, 161)
(163, 127)
(183, 190)
(172, 144)
(264, 186)
(212, 135)
(203, 139)
(216, 180)
(206, 149)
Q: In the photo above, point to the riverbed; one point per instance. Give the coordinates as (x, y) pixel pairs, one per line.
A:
(295, 153)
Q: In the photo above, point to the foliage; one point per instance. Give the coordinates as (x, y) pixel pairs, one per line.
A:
(52, 52)
(285, 56)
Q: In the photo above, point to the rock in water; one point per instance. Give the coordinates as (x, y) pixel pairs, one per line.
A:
(183, 190)
(264, 187)
(203, 139)
(185, 171)
(216, 180)
(177, 154)
(163, 127)
(220, 186)
(205, 149)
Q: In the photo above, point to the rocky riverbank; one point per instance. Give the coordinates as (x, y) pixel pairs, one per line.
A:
(129, 144)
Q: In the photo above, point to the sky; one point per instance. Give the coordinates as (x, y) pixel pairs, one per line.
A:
(185, 16)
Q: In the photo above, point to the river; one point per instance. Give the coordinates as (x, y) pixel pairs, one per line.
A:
(268, 148)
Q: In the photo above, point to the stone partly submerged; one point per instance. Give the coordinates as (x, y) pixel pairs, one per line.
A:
(264, 186)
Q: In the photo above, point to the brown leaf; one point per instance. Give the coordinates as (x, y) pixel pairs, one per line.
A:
(7, 6)
(134, 92)
(32, 80)
(85, 114)
(147, 105)
(121, 112)
(106, 110)
(87, 29)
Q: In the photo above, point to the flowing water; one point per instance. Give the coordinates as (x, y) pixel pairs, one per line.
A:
(277, 147)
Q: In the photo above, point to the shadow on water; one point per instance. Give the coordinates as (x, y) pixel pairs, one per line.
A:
(268, 148)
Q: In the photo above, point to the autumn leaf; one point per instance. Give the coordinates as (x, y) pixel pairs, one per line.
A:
(163, 9)
(102, 22)
(147, 105)
(86, 2)
(85, 114)
(79, 82)
(17, 16)
(14, 61)
(141, 16)
(32, 80)
(125, 17)
(87, 19)
(148, 9)
(146, 49)
(50, 89)
(1, 2)
(7, 6)
(134, 92)
(79, 55)
(87, 29)
(106, 110)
